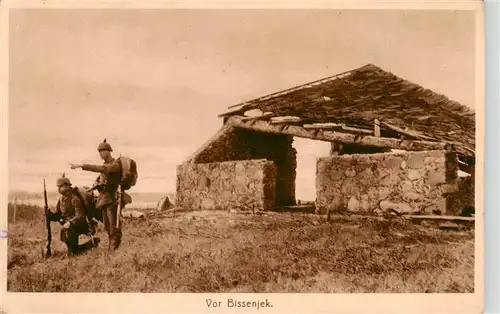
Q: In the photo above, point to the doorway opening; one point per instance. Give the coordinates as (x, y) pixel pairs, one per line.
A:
(307, 153)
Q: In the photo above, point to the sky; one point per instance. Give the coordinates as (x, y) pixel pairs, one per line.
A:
(153, 81)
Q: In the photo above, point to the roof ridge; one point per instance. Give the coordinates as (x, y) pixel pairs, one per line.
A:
(298, 87)
(445, 103)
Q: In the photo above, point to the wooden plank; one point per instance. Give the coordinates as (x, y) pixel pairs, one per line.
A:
(229, 113)
(440, 217)
(407, 132)
(326, 126)
(377, 128)
(330, 136)
(238, 105)
(463, 147)
(322, 125)
(285, 120)
(466, 168)
(356, 130)
(263, 116)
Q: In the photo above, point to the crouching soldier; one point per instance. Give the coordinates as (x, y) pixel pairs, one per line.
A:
(71, 215)
(107, 185)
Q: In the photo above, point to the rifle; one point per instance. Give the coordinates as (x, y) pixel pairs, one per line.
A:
(120, 197)
(47, 222)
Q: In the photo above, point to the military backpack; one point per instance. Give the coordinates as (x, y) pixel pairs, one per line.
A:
(129, 174)
(88, 201)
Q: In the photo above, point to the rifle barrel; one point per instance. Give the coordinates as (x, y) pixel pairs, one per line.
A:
(47, 221)
(45, 195)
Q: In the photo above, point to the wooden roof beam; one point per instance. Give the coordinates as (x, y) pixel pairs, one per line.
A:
(412, 134)
(333, 126)
(331, 136)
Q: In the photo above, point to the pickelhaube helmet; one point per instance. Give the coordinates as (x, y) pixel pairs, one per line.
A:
(63, 180)
(104, 146)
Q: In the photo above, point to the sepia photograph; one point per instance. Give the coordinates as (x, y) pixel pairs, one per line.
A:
(256, 151)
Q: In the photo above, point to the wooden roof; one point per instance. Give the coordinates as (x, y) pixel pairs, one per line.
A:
(358, 97)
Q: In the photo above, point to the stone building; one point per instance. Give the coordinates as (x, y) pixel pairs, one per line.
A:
(394, 146)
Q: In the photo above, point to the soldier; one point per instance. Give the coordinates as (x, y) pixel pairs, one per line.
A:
(107, 184)
(71, 215)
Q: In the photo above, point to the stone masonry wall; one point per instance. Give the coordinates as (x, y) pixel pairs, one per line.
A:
(244, 145)
(463, 199)
(410, 182)
(231, 185)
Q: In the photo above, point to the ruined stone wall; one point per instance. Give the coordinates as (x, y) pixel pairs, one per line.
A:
(244, 145)
(409, 182)
(231, 185)
(229, 146)
(462, 201)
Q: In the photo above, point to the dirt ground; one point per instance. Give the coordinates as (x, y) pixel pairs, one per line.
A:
(228, 252)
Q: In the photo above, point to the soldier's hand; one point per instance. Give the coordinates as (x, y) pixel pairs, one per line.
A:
(66, 225)
(75, 166)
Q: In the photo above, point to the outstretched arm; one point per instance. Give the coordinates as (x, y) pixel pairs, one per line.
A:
(106, 169)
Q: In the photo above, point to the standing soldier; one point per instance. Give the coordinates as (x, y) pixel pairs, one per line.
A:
(71, 215)
(107, 184)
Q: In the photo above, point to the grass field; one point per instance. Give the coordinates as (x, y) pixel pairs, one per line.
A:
(228, 252)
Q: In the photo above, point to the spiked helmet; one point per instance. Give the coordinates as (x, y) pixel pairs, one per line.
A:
(63, 180)
(104, 146)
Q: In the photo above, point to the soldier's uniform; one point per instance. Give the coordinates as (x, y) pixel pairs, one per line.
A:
(108, 183)
(70, 209)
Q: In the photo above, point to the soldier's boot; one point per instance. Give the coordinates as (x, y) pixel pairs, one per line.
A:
(114, 240)
(89, 244)
(73, 248)
(111, 243)
(118, 239)
(71, 241)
